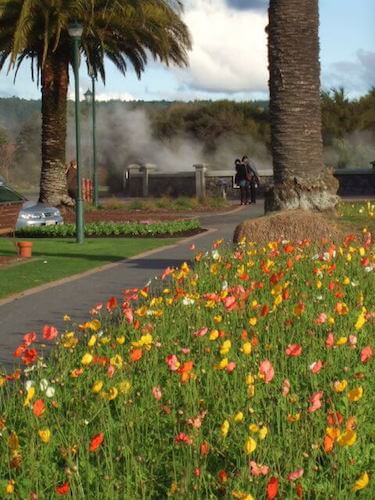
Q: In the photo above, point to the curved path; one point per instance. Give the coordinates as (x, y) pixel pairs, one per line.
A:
(75, 296)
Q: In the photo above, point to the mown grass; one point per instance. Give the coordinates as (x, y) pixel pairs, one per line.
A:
(250, 373)
(58, 258)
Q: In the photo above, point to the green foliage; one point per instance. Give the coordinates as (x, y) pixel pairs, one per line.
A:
(107, 229)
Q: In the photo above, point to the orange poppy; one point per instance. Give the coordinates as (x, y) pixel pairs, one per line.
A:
(136, 355)
(39, 407)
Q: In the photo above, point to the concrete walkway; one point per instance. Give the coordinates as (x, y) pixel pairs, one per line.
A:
(76, 296)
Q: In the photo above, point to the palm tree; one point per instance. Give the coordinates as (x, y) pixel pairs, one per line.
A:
(123, 31)
(300, 178)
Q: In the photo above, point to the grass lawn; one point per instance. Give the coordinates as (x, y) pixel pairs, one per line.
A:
(358, 215)
(54, 259)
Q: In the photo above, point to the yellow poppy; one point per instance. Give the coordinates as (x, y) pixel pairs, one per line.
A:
(250, 445)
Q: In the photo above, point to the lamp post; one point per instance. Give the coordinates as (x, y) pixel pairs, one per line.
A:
(75, 31)
(90, 98)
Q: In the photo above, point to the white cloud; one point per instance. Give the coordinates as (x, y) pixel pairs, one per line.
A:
(229, 48)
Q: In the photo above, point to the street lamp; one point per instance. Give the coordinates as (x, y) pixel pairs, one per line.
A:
(75, 31)
(90, 98)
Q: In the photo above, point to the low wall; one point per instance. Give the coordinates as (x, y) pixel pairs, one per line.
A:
(352, 182)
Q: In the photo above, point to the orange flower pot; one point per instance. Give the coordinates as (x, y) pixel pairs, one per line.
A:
(25, 248)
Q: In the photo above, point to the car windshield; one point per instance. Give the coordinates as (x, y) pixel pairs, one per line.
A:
(7, 195)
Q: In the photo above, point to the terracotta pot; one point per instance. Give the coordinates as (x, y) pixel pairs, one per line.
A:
(25, 248)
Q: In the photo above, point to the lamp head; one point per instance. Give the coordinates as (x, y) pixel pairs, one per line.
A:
(88, 95)
(75, 29)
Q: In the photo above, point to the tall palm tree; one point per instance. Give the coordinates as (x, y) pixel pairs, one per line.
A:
(123, 31)
(300, 177)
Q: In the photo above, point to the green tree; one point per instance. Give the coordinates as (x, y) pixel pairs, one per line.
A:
(123, 31)
(301, 180)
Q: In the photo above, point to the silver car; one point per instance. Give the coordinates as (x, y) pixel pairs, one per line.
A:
(31, 213)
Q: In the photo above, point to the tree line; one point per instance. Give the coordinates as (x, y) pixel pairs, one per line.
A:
(348, 129)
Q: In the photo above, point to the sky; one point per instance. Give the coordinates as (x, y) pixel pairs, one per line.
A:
(229, 56)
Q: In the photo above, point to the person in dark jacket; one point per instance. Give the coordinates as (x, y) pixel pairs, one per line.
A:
(241, 180)
(252, 178)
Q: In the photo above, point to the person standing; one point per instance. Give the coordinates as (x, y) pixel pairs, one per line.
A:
(71, 178)
(241, 180)
(252, 178)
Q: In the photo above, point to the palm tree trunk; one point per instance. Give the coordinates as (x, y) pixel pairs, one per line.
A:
(55, 80)
(300, 178)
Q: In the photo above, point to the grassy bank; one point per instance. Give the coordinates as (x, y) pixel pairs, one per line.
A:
(59, 258)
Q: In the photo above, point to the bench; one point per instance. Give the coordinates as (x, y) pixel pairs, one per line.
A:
(8, 216)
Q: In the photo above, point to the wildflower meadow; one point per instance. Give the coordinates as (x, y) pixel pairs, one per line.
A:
(247, 375)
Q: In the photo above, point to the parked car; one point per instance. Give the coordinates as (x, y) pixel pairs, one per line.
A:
(31, 213)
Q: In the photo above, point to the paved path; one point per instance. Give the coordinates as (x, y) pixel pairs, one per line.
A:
(30, 311)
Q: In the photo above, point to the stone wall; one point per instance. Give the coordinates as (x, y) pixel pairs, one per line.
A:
(353, 182)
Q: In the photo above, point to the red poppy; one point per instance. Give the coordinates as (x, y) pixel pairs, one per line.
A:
(265, 310)
(334, 418)
(39, 407)
(111, 304)
(366, 354)
(19, 351)
(29, 356)
(183, 438)
(49, 332)
(293, 350)
(299, 491)
(223, 476)
(96, 441)
(63, 489)
(128, 314)
(272, 488)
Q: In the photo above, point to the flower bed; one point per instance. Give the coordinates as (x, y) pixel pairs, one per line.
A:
(248, 376)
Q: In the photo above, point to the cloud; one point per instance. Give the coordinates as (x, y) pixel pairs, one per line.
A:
(229, 48)
(356, 76)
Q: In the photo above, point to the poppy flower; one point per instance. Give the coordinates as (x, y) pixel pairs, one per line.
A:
(62, 489)
(96, 441)
(292, 476)
(272, 488)
(183, 438)
(361, 482)
(366, 354)
(111, 304)
(315, 401)
(266, 371)
(45, 435)
(355, 394)
(136, 354)
(156, 392)
(39, 407)
(250, 445)
(49, 332)
(223, 476)
(172, 362)
(316, 366)
(29, 338)
(330, 340)
(201, 332)
(293, 350)
(347, 438)
(29, 356)
(230, 366)
(204, 449)
(258, 469)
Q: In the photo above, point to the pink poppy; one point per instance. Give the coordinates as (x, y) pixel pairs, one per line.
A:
(258, 469)
(353, 340)
(322, 318)
(316, 366)
(315, 400)
(128, 314)
(230, 303)
(230, 366)
(366, 354)
(266, 370)
(166, 272)
(185, 350)
(286, 387)
(292, 476)
(172, 362)
(49, 332)
(330, 340)
(29, 338)
(156, 392)
(201, 332)
(293, 350)
(110, 371)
